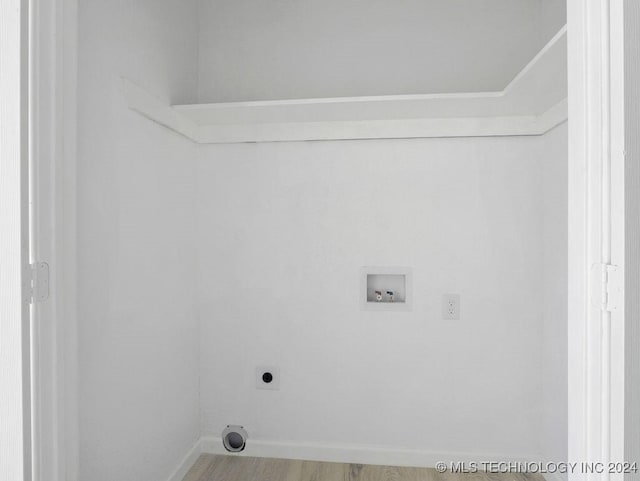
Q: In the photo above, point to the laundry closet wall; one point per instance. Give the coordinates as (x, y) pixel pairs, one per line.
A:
(138, 334)
(197, 263)
(283, 230)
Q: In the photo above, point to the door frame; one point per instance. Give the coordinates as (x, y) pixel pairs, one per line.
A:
(53, 63)
(15, 263)
(596, 233)
(596, 236)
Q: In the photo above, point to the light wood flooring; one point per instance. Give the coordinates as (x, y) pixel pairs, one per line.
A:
(210, 467)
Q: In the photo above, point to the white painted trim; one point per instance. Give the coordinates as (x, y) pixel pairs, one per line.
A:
(24, 213)
(617, 133)
(594, 231)
(53, 93)
(632, 235)
(554, 477)
(187, 462)
(578, 263)
(153, 108)
(66, 240)
(341, 453)
(352, 453)
(379, 129)
(15, 273)
(44, 375)
(553, 117)
(536, 59)
(341, 100)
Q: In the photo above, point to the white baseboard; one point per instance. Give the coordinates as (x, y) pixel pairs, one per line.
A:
(555, 477)
(360, 454)
(337, 453)
(187, 462)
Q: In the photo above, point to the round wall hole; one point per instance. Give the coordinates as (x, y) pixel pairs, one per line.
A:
(267, 377)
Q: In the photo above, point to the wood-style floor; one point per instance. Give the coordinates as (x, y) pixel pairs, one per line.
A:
(210, 467)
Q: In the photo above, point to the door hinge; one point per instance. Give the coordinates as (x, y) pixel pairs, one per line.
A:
(39, 291)
(607, 289)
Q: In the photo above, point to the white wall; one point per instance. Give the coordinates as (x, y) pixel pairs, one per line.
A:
(283, 229)
(280, 49)
(553, 15)
(138, 359)
(553, 158)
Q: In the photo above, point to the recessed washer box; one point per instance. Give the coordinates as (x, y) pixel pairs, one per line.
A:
(386, 288)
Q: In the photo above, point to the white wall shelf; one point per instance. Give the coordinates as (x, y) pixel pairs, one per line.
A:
(531, 104)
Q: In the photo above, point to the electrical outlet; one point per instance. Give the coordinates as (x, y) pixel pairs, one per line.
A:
(268, 377)
(451, 307)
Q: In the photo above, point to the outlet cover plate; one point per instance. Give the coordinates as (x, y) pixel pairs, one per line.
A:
(451, 307)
